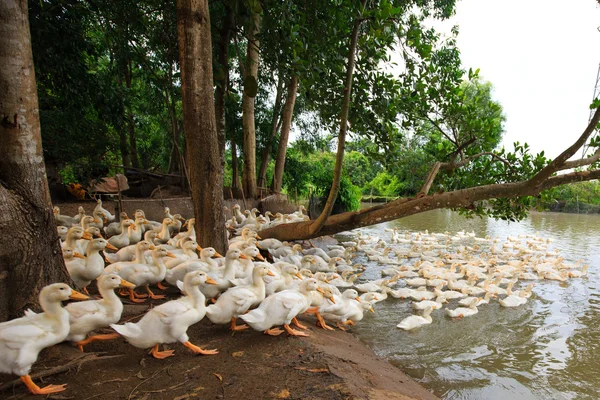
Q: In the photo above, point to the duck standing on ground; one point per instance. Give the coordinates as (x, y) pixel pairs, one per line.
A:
(22, 339)
(282, 308)
(169, 322)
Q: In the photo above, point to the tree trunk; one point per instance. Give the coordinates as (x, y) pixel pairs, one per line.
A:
(175, 165)
(339, 159)
(251, 69)
(130, 120)
(235, 174)
(125, 158)
(266, 156)
(223, 82)
(202, 142)
(288, 111)
(463, 198)
(30, 256)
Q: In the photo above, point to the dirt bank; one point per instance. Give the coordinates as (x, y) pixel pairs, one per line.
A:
(250, 365)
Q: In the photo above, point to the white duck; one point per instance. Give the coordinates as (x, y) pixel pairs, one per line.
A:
(92, 266)
(122, 240)
(513, 300)
(237, 300)
(346, 309)
(282, 308)
(415, 321)
(223, 277)
(169, 322)
(22, 339)
(285, 281)
(461, 312)
(145, 275)
(87, 316)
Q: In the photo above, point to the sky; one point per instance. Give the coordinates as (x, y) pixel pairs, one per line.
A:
(542, 58)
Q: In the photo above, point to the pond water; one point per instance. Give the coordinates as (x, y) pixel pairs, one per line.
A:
(546, 349)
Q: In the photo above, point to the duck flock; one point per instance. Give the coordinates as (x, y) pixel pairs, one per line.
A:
(260, 284)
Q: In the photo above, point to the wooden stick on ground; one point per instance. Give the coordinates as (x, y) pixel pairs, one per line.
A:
(76, 363)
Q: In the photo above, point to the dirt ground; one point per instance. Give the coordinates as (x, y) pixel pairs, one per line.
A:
(250, 365)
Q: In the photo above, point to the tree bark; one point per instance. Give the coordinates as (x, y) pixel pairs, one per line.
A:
(125, 157)
(223, 82)
(235, 174)
(251, 69)
(30, 254)
(175, 162)
(288, 112)
(130, 120)
(264, 162)
(202, 143)
(339, 159)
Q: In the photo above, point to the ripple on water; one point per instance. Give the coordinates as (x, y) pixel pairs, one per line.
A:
(548, 349)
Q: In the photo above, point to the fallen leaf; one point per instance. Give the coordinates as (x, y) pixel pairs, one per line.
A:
(219, 377)
(237, 354)
(284, 394)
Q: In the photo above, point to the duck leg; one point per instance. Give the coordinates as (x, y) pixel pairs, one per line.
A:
(273, 332)
(160, 354)
(341, 327)
(161, 286)
(133, 296)
(349, 322)
(199, 350)
(95, 338)
(292, 331)
(35, 389)
(322, 324)
(298, 324)
(84, 290)
(235, 327)
(152, 295)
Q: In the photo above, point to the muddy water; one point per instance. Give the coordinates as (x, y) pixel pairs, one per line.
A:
(547, 349)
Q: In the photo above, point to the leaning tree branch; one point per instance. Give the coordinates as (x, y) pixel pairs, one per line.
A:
(430, 178)
(454, 165)
(400, 208)
(582, 162)
(559, 162)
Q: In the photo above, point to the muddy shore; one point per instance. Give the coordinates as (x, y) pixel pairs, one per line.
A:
(250, 365)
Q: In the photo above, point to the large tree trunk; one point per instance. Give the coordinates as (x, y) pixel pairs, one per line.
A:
(288, 111)
(30, 254)
(266, 155)
(405, 207)
(223, 81)
(251, 69)
(202, 142)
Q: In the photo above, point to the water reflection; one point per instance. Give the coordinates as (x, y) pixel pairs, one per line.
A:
(547, 349)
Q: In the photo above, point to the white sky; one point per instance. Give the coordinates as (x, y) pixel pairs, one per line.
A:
(542, 57)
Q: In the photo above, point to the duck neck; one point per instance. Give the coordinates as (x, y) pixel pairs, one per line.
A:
(110, 297)
(258, 283)
(70, 242)
(139, 255)
(194, 292)
(210, 261)
(229, 272)
(160, 267)
(53, 309)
